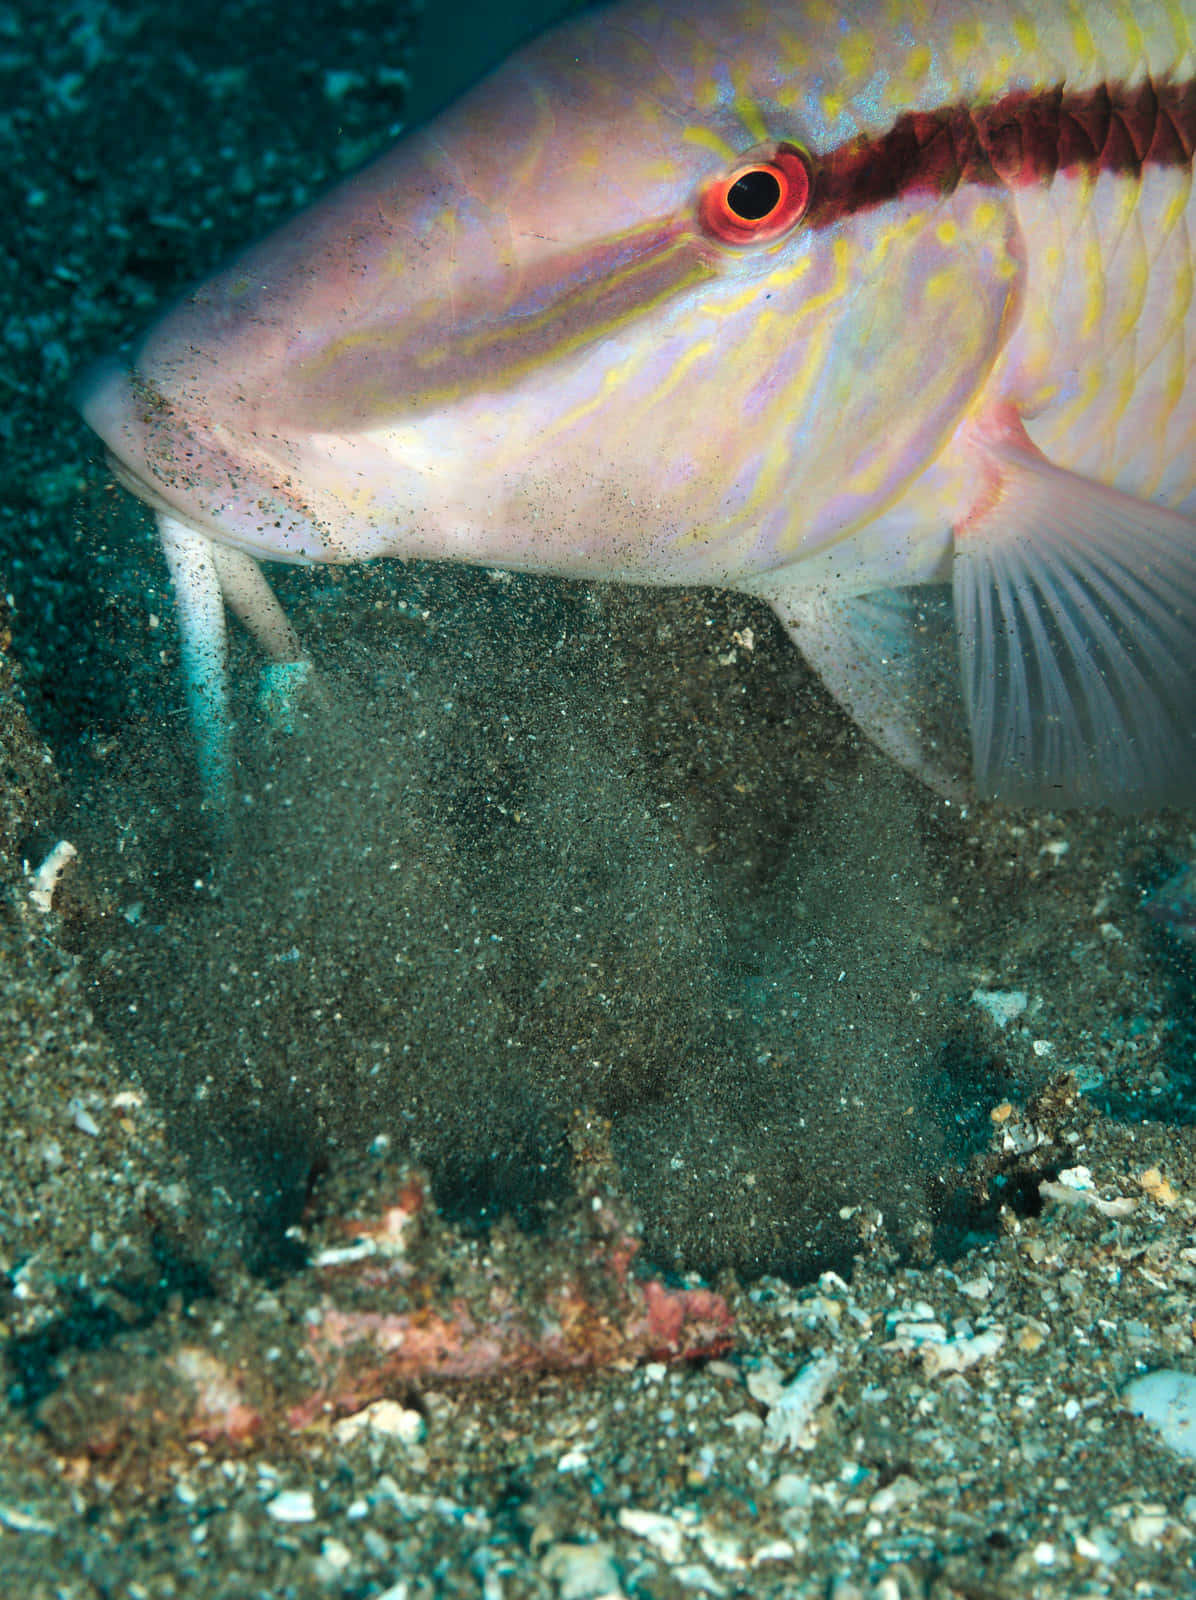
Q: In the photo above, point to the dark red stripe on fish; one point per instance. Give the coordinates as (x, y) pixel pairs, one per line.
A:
(1021, 139)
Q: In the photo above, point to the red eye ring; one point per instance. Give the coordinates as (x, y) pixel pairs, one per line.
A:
(760, 198)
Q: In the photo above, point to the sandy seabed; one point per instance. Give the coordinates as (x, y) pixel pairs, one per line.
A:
(910, 1089)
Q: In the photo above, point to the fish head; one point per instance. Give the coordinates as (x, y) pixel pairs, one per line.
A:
(603, 317)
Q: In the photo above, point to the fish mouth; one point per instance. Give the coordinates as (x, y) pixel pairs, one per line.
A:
(144, 436)
(103, 396)
(184, 467)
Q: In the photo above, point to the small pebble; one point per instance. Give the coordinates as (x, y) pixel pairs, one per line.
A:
(582, 1571)
(385, 1418)
(663, 1533)
(1167, 1400)
(292, 1505)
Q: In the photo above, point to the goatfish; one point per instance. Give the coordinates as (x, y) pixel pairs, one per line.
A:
(879, 311)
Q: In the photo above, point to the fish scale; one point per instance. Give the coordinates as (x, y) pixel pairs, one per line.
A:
(1117, 297)
(877, 312)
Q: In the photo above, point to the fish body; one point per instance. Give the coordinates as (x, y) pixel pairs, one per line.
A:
(879, 311)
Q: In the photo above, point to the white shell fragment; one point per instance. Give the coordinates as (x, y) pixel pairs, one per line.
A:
(1003, 1005)
(790, 1419)
(82, 1117)
(45, 879)
(292, 1505)
(1167, 1400)
(1079, 1178)
(957, 1355)
(18, 1521)
(1074, 1188)
(664, 1534)
(384, 1419)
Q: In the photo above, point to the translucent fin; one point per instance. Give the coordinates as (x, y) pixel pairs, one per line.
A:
(1076, 610)
(889, 658)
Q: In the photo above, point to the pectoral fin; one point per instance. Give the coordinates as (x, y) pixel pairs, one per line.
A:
(889, 659)
(1076, 611)
(1059, 666)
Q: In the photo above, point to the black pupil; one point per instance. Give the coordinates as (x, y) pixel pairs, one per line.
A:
(754, 195)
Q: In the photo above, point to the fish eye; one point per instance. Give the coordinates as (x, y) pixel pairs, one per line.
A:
(758, 199)
(754, 196)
